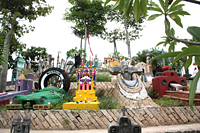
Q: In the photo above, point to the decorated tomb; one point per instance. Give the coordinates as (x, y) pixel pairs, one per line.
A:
(85, 95)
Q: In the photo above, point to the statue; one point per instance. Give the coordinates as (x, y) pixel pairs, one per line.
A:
(125, 69)
(124, 125)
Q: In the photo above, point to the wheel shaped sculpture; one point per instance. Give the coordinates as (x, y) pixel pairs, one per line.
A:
(54, 77)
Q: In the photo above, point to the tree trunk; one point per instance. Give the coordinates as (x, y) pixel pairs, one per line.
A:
(127, 38)
(81, 43)
(85, 40)
(3, 73)
(115, 46)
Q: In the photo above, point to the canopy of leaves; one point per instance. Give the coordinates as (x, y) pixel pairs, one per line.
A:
(91, 12)
(33, 55)
(119, 34)
(126, 7)
(116, 55)
(13, 11)
(74, 51)
(174, 11)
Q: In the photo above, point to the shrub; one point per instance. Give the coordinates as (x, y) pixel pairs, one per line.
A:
(104, 69)
(103, 78)
(73, 79)
(167, 101)
(100, 93)
(153, 94)
(108, 102)
(59, 105)
(3, 108)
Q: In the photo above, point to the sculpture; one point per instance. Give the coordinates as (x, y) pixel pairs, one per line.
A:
(124, 125)
(18, 127)
(125, 69)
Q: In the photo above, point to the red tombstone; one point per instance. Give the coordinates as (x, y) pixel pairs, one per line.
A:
(162, 83)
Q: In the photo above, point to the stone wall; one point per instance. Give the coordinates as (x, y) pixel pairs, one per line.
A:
(99, 119)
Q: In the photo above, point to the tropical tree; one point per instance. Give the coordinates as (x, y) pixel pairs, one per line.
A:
(175, 9)
(32, 55)
(15, 48)
(74, 51)
(129, 32)
(86, 12)
(11, 12)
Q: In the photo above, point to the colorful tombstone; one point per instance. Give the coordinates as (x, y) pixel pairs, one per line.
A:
(163, 82)
(85, 95)
(19, 65)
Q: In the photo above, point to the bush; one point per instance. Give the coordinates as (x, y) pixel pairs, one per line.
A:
(103, 78)
(104, 70)
(100, 93)
(73, 79)
(59, 105)
(108, 102)
(167, 101)
(152, 94)
(3, 108)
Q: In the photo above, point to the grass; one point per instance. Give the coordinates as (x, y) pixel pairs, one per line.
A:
(167, 102)
(104, 70)
(108, 102)
(100, 78)
(103, 78)
(3, 108)
(59, 105)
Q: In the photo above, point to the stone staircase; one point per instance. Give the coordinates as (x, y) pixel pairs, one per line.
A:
(183, 96)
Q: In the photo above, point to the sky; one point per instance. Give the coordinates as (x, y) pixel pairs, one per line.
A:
(56, 35)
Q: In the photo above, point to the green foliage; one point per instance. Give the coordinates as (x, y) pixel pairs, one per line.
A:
(153, 94)
(88, 11)
(11, 12)
(195, 32)
(73, 78)
(103, 78)
(33, 55)
(117, 34)
(15, 48)
(3, 108)
(74, 51)
(104, 70)
(66, 120)
(173, 11)
(193, 88)
(167, 102)
(59, 105)
(116, 55)
(108, 102)
(100, 93)
(100, 78)
(126, 7)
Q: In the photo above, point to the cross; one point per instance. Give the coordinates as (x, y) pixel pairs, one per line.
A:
(123, 110)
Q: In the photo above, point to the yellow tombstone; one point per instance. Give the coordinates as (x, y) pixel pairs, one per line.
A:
(85, 95)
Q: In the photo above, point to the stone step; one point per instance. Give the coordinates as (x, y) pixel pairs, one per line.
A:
(185, 101)
(183, 94)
